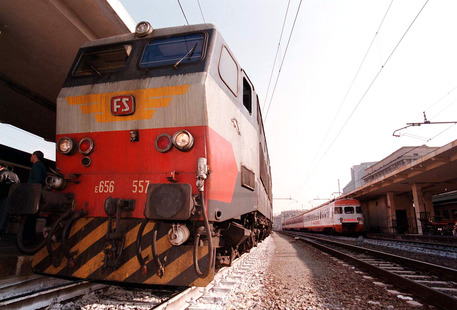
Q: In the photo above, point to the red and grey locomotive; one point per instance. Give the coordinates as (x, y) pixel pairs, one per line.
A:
(162, 170)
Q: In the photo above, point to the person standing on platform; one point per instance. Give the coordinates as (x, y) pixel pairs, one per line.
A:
(37, 175)
(7, 178)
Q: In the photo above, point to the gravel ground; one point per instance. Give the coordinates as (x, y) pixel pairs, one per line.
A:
(285, 274)
(294, 275)
(116, 298)
(426, 256)
(435, 256)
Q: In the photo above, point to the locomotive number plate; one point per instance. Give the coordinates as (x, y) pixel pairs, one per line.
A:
(122, 105)
(104, 187)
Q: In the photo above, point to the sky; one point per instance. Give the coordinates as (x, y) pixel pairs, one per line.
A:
(340, 80)
(350, 74)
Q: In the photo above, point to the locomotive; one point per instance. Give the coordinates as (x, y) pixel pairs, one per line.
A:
(162, 168)
(342, 216)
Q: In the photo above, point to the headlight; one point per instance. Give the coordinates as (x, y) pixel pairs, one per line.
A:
(183, 140)
(86, 145)
(143, 28)
(163, 143)
(341, 220)
(359, 219)
(65, 145)
(55, 181)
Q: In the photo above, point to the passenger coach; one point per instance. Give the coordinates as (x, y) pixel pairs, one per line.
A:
(342, 216)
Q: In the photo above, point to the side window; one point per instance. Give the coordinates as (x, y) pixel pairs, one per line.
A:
(228, 70)
(247, 95)
(259, 115)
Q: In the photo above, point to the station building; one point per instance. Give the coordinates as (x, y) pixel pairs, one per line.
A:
(411, 191)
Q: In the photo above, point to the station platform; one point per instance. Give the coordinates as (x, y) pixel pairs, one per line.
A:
(436, 239)
(13, 263)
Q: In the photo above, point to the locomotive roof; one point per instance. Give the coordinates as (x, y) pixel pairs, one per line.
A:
(162, 32)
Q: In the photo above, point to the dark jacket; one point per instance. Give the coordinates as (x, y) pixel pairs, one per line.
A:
(38, 173)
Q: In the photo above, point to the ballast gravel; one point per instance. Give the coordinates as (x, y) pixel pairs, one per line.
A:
(290, 274)
(281, 273)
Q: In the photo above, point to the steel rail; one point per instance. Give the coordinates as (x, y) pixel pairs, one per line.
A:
(428, 294)
(449, 273)
(412, 240)
(418, 244)
(41, 298)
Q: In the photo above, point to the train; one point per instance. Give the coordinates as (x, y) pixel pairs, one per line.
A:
(341, 216)
(162, 171)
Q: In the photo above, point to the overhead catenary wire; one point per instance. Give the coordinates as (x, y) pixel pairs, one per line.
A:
(201, 11)
(363, 95)
(439, 100)
(184, 14)
(445, 108)
(375, 78)
(424, 138)
(416, 147)
(350, 86)
(276, 56)
(282, 62)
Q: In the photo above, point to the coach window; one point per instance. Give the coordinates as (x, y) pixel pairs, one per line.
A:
(338, 210)
(228, 70)
(247, 96)
(358, 210)
(349, 210)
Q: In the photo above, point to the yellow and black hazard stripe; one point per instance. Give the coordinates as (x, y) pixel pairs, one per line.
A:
(89, 248)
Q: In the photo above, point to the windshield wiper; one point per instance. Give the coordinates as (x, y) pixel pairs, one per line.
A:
(89, 63)
(188, 55)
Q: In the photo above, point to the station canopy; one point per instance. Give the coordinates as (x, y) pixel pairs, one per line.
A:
(38, 43)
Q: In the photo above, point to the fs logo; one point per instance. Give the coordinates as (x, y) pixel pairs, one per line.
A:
(122, 105)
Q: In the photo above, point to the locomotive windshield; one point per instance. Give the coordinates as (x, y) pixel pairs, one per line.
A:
(103, 60)
(348, 210)
(173, 51)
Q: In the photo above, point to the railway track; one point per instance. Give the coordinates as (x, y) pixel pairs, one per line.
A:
(434, 284)
(421, 239)
(446, 249)
(438, 254)
(36, 292)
